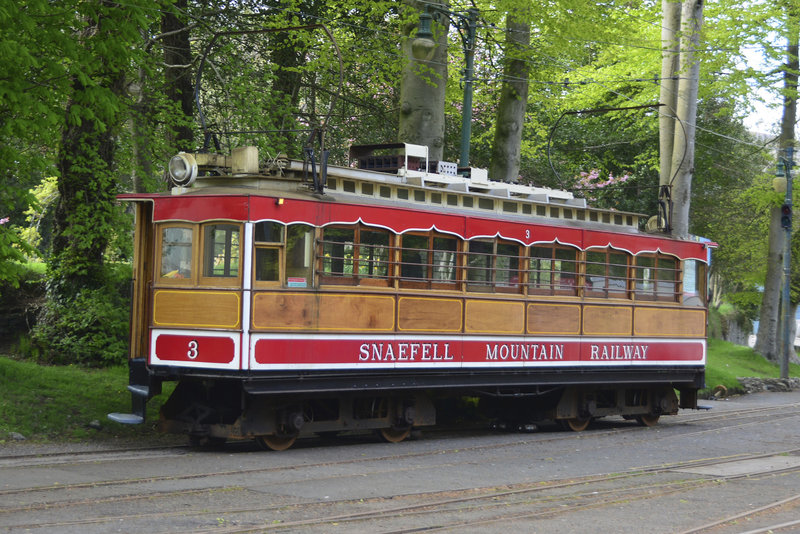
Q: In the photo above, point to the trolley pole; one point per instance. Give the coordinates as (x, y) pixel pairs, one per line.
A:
(786, 223)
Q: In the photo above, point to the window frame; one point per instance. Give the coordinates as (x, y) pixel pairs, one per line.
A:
(187, 281)
(428, 280)
(655, 294)
(552, 287)
(356, 278)
(491, 285)
(606, 291)
(213, 280)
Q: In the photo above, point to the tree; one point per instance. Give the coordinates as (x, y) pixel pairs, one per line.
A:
(681, 166)
(768, 342)
(85, 217)
(423, 84)
(513, 103)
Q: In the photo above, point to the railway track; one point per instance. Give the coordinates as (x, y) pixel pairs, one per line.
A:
(130, 500)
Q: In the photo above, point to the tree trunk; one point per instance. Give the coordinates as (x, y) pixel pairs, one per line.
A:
(178, 74)
(142, 161)
(769, 340)
(513, 101)
(87, 186)
(422, 89)
(683, 144)
(670, 52)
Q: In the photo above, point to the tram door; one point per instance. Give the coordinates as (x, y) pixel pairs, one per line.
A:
(142, 279)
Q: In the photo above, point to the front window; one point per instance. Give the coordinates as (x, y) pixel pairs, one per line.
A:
(176, 253)
(694, 283)
(221, 250)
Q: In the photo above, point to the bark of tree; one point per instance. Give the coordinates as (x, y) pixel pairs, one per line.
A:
(670, 52)
(513, 101)
(682, 167)
(768, 343)
(422, 89)
(179, 87)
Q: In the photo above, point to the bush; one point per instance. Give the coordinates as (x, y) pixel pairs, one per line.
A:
(90, 329)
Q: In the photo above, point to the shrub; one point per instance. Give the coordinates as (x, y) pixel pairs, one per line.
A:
(90, 329)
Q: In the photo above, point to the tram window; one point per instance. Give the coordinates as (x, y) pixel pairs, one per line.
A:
(299, 255)
(479, 265)
(493, 266)
(357, 255)
(506, 273)
(553, 270)
(607, 273)
(176, 253)
(373, 253)
(428, 261)
(656, 278)
(338, 246)
(221, 250)
(269, 232)
(467, 202)
(445, 254)
(694, 283)
(268, 237)
(414, 257)
(268, 264)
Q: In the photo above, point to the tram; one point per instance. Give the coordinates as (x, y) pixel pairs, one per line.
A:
(289, 299)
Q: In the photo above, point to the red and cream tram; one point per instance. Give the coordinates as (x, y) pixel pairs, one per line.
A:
(287, 301)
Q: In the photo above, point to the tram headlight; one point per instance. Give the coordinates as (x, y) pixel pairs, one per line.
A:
(182, 169)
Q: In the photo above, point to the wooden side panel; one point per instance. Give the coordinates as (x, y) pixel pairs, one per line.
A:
(420, 314)
(494, 317)
(607, 320)
(197, 308)
(557, 319)
(325, 312)
(669, 322)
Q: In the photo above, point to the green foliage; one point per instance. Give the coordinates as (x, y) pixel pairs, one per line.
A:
(90, 328)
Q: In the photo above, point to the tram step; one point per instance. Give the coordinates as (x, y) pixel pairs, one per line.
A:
(140, 391)
(126, 418)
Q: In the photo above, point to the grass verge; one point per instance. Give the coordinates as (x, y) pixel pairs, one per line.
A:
(727, 361)
(50, 403)
(63, 403)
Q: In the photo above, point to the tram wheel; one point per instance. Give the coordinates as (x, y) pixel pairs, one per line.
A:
(395, 435)
(575, 424)
(647, 419)
(274, 442)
